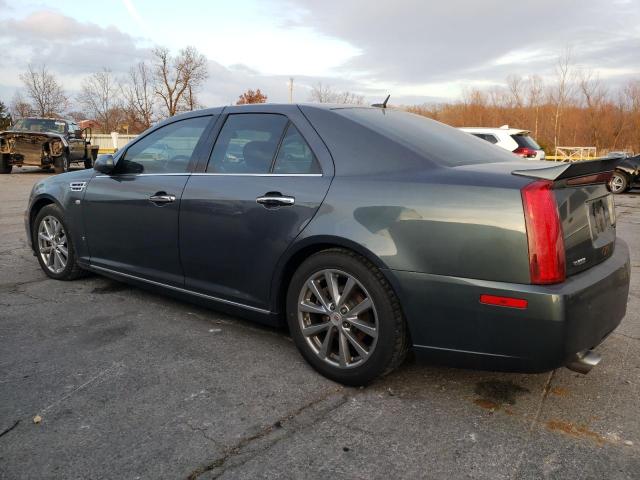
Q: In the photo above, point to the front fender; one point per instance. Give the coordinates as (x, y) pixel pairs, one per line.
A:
(58, 190)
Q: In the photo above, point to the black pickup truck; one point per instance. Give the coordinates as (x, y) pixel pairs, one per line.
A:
(46, 143)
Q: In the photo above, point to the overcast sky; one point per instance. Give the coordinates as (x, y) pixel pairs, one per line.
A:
(416, 50)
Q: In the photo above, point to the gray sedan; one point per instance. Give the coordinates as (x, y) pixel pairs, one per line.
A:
(368, 231)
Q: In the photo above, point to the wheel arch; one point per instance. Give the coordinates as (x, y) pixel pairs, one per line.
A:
(302, 250)
(36, 206)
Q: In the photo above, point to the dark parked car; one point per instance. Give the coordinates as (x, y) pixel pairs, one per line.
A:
(371, 231)
(45, 143)
(626, 174)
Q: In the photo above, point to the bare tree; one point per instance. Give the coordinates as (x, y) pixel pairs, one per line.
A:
(536, 89)
(632, 97)
(515, 85)
(595, 94)
(177, 79)
(325, 94)
(19, 107)
(100, 98)
(562, 90)
(47, 96)
(138, 93)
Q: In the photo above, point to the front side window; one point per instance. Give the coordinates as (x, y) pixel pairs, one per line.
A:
(247, 143)
(167, 150)
(294, 155)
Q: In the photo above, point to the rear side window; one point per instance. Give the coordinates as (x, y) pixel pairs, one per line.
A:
(486, 136)
(247, 143)
(166, 150)
(294, 155)
(431, 140)
(525, 141)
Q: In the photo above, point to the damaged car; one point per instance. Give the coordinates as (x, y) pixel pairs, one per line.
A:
(46, 143)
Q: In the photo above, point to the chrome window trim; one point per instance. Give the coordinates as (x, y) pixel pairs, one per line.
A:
(183, 174)
(181, 290)
(203, 174)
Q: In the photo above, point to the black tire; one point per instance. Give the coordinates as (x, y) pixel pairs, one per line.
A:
(88, 162)
(61, 163)
(72, 270)
(619, 183)
(392, 336)
(5, 166)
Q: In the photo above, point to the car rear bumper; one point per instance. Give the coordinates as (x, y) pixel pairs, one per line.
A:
(447, 321)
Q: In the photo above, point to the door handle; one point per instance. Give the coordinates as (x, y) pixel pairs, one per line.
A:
(275, 199)
(162, 197)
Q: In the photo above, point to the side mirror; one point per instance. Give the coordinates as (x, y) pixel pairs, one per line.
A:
(77, 133)
(104, 164)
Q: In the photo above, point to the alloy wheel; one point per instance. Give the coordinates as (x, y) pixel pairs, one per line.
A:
(338, 318)
(52, 244)
(617, 184)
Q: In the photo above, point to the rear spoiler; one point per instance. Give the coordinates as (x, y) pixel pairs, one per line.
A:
(571, 170)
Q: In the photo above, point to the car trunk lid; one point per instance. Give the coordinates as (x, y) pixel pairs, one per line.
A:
(585, 207)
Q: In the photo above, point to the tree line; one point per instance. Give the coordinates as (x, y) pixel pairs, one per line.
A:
(155, 89)
(574, 108)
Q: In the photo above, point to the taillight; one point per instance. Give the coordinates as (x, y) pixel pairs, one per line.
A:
(544, 233)
(525, 152)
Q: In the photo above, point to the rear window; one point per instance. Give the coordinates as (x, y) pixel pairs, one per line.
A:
(438, 143)
(525, 141)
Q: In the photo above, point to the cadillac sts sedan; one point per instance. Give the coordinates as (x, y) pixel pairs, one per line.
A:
(369, 231)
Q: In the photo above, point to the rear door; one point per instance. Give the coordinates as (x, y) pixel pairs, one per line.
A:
(265, 178)
(131, 216)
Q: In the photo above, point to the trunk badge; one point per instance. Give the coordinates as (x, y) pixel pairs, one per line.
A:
(580, 261)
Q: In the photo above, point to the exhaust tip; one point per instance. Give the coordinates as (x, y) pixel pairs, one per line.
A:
(584, 361)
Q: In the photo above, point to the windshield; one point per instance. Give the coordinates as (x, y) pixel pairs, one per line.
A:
(439, 143)
(40, 125)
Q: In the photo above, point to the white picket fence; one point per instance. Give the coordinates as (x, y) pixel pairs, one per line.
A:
(105, 142)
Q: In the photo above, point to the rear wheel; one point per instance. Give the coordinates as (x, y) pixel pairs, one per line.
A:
(345, 319)
(54, 246)
(5, 166)
(61, 163)
(88, 162)
(619, 182)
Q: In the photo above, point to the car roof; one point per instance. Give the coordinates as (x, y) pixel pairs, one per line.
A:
(508, 131)
(57, 119)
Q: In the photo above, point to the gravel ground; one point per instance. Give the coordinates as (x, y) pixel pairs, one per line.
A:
(132, 385)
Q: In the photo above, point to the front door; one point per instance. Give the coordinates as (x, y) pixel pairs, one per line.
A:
(76, 145)
(262, 185)
(131, 216)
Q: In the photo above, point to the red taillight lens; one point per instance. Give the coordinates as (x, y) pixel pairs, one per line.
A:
(525, 152)
(544, 233)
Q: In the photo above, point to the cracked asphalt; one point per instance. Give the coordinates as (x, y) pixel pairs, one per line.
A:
(133, 385)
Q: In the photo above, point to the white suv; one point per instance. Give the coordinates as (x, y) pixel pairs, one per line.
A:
(512, 139)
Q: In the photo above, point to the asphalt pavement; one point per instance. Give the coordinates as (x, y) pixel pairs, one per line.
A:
(128, 384)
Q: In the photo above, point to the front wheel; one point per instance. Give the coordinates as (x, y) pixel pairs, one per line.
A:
(619, 182)
(345, 319)
(54, 246)
(88, 162)
(61, 163)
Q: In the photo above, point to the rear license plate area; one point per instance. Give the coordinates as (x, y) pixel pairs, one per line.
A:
(600, 225)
